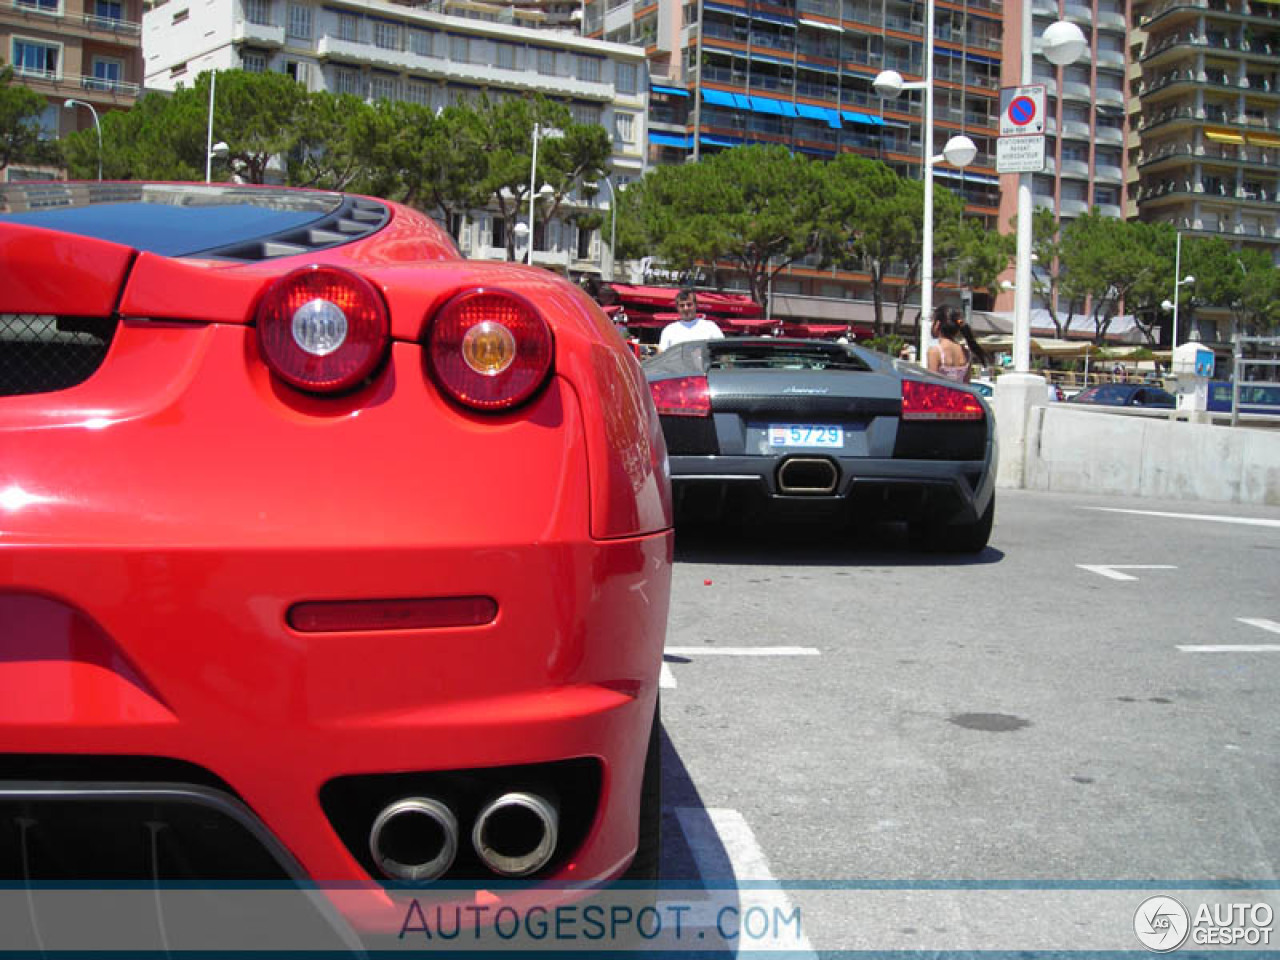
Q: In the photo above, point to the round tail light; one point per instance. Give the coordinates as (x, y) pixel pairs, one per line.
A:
(322, 329)
(489, 349)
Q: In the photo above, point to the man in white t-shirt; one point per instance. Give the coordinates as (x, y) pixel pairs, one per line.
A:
(690, 326)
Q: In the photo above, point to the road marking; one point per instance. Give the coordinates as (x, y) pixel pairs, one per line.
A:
(1269, 625)
(743, 651)
(666, 679)
(1231, 648)
(1247, 521)
(1112, 570)
(714, 835)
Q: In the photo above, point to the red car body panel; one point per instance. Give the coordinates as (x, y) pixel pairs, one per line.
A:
(158, 521)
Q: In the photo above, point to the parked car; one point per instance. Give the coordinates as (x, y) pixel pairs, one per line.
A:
(809, 428)
(1125, 395)
(343, 558)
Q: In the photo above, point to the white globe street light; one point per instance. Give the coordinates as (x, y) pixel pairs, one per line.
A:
(1062, 43)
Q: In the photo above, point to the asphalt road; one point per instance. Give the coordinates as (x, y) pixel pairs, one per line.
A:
(1026, 715)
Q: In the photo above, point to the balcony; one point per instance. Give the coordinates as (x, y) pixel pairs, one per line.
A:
(1114, 135)
(1075, 90)
(1045, 8)
(258, 34)
(1110, 58)
(1076, 128)
(1107, 173)
(1078, 13)
(94, 89)
(1074, 208)
(1110, 210)
(1075, 168)
(1114, 98)
(1110, 20)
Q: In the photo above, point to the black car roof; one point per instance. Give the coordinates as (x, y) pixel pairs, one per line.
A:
(179, 220)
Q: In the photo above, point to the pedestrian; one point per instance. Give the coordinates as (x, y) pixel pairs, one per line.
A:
(948, 357)
(691, 325)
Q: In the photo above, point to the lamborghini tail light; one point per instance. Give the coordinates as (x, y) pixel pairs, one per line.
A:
(933, 401)
(489, 349)
(322, 329)
(682, 397)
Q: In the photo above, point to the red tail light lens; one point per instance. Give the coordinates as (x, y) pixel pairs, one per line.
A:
(933, 401)
(682, 397)
(489, 349)
(322, 329)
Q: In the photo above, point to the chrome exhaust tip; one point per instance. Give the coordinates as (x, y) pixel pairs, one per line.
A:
(807, 476)
(515, 834)
(414, 840)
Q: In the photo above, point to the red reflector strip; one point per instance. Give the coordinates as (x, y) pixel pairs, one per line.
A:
(933, 401)
(340, 616)
(682, 397)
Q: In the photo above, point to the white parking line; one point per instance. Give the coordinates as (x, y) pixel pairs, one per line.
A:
(1112, 570)
(1231, 648)
(1268, 625)
(1215, 518)
(716, 834)
(666, 679)
(744, 651)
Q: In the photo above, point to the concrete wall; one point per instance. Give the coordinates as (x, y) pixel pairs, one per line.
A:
(1069, 450)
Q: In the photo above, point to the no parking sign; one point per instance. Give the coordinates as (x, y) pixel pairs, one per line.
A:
(1022, 111)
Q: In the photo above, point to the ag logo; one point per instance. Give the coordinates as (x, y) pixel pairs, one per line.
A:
(1161, 923)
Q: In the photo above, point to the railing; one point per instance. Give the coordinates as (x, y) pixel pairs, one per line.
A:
(95, 84)
(88, 20)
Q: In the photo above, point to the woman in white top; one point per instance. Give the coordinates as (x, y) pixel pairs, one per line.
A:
(948, 357)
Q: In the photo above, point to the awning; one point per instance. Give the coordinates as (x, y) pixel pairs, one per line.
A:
(725, 8)
(669, 140)
(940, 171)
(742, 101)
(719, 142)
(769, 58)
(855, 117)
(664, 298)
(1224, 136)
(766, 105)
(822, 26)
(718, 97)
(672, 91)
(772, 18)
(1264, 140)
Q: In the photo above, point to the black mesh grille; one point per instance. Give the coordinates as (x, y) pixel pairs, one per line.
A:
(40, 353)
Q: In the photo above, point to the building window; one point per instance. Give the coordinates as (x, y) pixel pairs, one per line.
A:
(298, 72)
(253, 62)
(107, 73)
(386, 35)
(31, 58)
(181, 15)
(585, 113)
(625, 125)
(258, 11)
(588, 69)
(624, 77)
(111, 11)
(382, 87)
(584, 244)
(416, 91)
(420, 42)
(346, 80)
(299, 21)
(44, 6)
(459, 49)
(498, 233)
(1106, 195)
(505, 55)
(349, 27)
(547, 63)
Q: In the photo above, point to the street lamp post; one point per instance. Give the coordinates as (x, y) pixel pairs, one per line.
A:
(1062, 43)
(1177, 285)
(71, 105)
(613, 227)
(959, 152)
(208, 144)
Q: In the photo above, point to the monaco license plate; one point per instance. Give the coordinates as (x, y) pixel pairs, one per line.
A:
(805, 435)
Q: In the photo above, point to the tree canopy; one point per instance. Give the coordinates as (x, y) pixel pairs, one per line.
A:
(20, 110)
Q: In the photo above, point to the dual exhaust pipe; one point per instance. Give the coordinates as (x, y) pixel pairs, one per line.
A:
(807, 476)
(415, 839)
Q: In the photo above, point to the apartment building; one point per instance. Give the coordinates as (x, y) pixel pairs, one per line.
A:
(440, 54)
(84, 50)
(1086, 117)
(1206, 155)
(799, 73)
